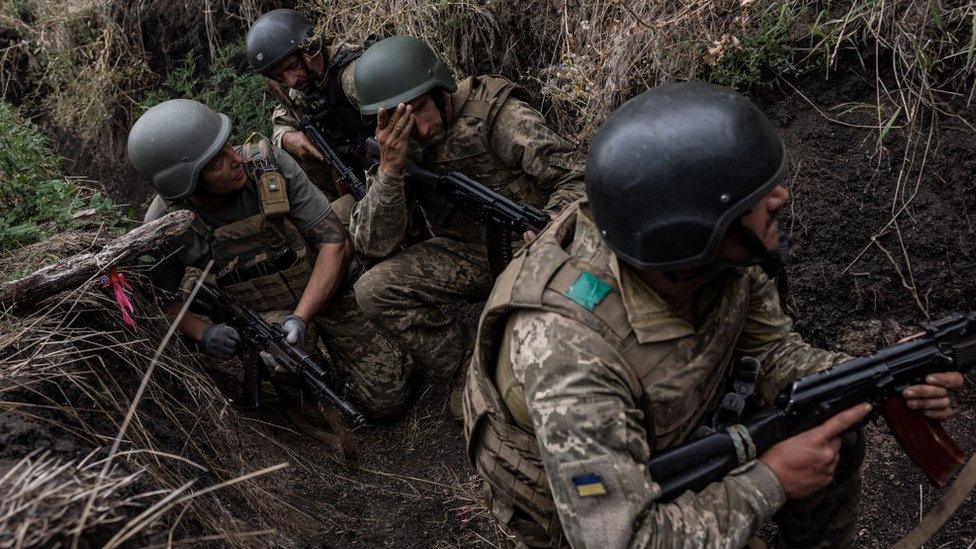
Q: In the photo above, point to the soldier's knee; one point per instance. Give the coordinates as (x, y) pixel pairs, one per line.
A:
(369, 291)
(383, 402)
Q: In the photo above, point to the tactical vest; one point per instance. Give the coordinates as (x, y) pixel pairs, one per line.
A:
(343, 118)
(538, 279)
(465, 147)
(262, 261)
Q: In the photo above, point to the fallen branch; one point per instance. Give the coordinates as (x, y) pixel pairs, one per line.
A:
(71, 272)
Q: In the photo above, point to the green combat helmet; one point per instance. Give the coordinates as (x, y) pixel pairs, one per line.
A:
(396, 70)
(171, 142)
(274, 36)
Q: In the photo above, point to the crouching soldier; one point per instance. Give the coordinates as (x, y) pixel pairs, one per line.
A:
(306, 76)
(277, 246)
(480, 126)
(612, 335)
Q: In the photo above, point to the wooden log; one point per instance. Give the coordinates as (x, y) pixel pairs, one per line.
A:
(70, 273)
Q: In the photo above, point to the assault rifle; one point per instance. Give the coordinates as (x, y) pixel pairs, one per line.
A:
(501, 215)
(257, 336)
(335, 153)
(946, 345)
(336, 158)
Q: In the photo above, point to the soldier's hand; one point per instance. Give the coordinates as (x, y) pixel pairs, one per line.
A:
(295, 329)
(806, 463)
(527, 236)
(393, 135)
(220, 340)
(932, 398)
(297, 144)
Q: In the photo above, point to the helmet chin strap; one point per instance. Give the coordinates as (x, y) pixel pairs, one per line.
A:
(771, 262)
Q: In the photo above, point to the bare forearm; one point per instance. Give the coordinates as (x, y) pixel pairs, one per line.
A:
(334, 254)
(190, 325)
(330, 266)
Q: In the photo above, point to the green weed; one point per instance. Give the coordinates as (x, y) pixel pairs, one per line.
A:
(35, 200)
(762, 55)
(226, 85)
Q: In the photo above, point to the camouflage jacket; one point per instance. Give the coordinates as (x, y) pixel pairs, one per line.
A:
(597, 371)
(283, 120)
(491, 136)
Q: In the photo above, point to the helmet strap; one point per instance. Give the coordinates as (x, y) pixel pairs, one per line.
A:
(771, 262)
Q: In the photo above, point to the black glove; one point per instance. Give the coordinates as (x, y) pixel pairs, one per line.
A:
(220, 340)
(295, 329)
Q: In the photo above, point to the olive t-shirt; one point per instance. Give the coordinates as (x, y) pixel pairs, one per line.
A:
(308, 206)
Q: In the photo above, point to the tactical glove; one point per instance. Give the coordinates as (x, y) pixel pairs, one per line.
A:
(220, 340)
(295, 329)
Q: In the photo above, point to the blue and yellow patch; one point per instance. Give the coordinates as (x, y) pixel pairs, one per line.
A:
(588, 291)
(589, 485)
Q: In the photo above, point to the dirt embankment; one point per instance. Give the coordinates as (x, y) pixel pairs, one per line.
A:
(877, 240)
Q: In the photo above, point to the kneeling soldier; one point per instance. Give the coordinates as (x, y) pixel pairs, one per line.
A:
(608, 339)
(307, 75)
(480, 126)
(277, 246)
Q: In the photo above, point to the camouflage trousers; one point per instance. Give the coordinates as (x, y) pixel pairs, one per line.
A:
(403, 296)
(375, 368)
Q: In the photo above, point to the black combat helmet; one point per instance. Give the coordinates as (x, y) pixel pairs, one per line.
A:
(274, 36)
(674, 167)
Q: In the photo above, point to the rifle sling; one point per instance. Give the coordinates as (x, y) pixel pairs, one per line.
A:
(941, 511)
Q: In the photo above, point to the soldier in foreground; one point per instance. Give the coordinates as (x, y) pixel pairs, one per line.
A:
(481, 127)
(613, 335)
(281, 46)
(253, 206)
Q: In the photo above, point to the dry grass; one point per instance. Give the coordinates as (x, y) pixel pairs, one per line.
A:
(586, 58)
(67, 374)
(41, 498)
(90, 61)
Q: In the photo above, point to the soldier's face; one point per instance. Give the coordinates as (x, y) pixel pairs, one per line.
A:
(224, 174)
(291, 72)
(761, 221)
(428, 124)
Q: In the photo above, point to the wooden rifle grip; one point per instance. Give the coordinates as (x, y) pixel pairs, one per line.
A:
(924, 440)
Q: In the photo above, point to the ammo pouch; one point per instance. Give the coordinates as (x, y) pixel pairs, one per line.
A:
(262, 263)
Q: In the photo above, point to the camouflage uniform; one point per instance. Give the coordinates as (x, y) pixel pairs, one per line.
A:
(336, 87)
(494, 137)
(254, 227)
(582, 371)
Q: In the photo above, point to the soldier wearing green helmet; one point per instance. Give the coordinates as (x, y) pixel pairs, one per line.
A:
(481, 126)
(254, 206)
(306, 75)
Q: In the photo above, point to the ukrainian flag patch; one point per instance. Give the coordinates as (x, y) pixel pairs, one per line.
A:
(589, 485)
(588, 291)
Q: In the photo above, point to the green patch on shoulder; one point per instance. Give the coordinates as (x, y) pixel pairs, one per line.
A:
(588, 291)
